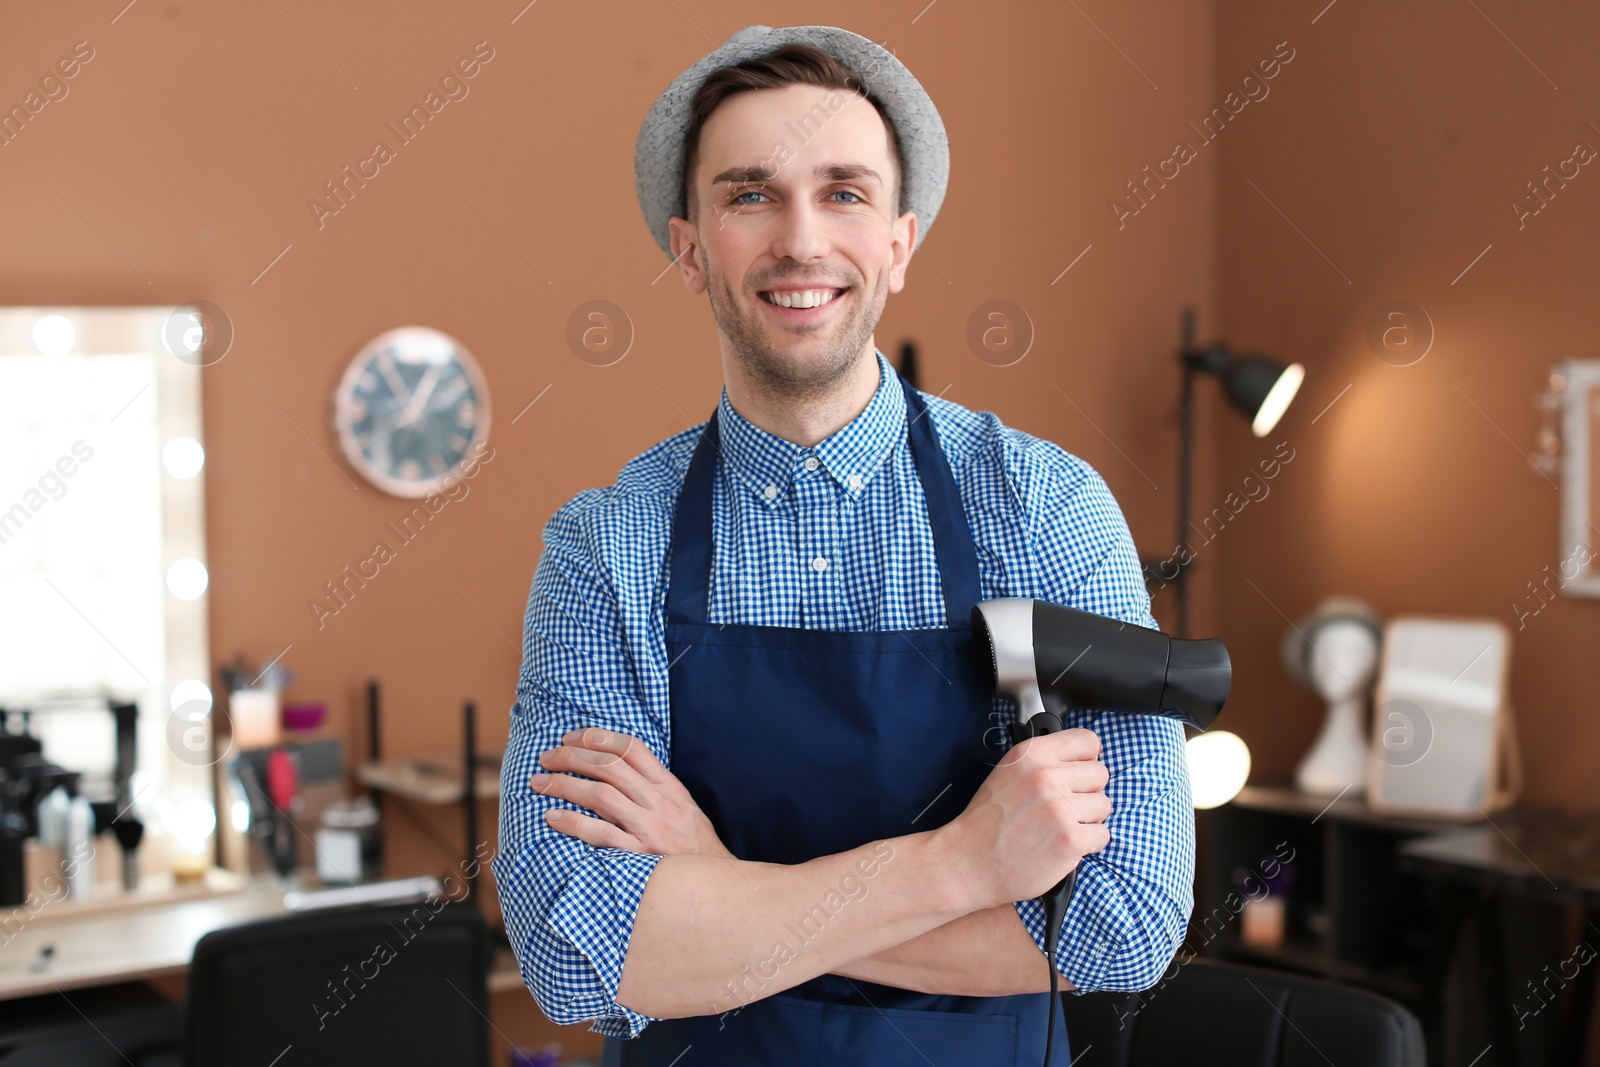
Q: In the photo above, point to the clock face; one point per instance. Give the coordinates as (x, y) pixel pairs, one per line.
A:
(411, 408)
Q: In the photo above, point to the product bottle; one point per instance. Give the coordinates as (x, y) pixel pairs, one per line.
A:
(77, 848)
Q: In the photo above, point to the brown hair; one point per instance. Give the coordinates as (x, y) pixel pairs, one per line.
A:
(793, 64)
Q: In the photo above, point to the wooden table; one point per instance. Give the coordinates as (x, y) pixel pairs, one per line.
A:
(100, 945)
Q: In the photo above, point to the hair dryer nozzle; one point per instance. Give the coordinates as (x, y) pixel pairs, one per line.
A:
(1199, 675)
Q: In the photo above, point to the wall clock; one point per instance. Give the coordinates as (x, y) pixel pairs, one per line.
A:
(411, 408)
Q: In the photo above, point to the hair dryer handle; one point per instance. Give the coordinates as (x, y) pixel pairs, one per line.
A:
(1056, 900)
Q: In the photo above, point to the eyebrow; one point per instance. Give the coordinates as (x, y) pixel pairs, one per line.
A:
(838, 172)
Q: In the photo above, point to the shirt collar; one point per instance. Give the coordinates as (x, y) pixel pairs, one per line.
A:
(766, 464)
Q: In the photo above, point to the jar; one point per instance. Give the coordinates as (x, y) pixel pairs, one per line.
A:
(349, 843)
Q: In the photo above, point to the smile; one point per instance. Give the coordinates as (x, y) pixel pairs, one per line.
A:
(801, 298)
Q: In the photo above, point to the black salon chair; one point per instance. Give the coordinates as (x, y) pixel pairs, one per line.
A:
(1218, 1013)
(398, 984)
(81, 1027)
(401, 984)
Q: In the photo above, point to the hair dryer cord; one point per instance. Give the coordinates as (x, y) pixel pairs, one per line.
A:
(1055, 902)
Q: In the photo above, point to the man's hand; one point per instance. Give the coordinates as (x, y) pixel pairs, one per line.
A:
(642, 807)
(1040, 811)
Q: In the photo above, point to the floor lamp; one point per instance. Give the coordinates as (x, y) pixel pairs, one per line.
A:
(1258, 386)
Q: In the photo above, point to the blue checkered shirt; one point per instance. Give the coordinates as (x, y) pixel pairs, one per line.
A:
(594, 654)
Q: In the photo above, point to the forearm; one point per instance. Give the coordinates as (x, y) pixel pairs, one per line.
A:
(712, 934)
(986, 953)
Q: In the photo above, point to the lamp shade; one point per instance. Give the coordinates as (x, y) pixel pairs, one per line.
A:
(1261, 388)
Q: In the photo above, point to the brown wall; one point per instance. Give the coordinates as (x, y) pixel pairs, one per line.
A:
(193, 140)
(1394, 143)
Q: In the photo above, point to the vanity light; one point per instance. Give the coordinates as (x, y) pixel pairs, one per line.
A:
(54, 335)
(191, 691)
(183, 457)
(187, 578)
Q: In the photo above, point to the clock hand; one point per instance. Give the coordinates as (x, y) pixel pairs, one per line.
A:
(392, 376)
(457, 386)
(413, 409)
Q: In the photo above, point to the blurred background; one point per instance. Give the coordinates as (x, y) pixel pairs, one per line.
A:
(1395, 198)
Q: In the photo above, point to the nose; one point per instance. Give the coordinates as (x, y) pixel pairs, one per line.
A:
(802, 232)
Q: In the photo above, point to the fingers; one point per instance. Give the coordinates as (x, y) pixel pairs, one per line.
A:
(1088, 808)
(1081, 776)
(1082, 773)
(626, 749)
(602, 767)
(596, 832)
(1062, 746)
(619, 746)
(602, 798)
(1094, 838)
(618, 778)
(1074, 744)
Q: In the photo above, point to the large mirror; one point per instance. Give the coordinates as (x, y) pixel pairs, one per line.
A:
(103, 572)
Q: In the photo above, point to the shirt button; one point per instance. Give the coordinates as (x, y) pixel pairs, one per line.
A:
(771, 492)
(811, 463)
(854, 481)
(819, 564)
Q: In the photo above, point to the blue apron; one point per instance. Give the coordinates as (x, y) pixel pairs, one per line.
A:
(863, 736)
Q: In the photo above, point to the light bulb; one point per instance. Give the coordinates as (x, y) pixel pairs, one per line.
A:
(191, 698)
(54, 335)
(1277, 401)
(1219, 765)
(187, 578)
(183, 457)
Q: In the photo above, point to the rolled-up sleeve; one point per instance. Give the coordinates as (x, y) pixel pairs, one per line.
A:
(1131, 907)
(570, 907)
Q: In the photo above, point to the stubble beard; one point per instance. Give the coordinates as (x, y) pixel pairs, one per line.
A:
(774, 370)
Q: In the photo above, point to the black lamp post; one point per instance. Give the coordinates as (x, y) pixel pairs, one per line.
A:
(1260, 387)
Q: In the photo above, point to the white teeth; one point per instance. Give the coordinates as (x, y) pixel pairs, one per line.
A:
(807, 298)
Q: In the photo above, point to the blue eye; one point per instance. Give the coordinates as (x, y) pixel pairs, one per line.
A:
(847, 192)
(739, 198)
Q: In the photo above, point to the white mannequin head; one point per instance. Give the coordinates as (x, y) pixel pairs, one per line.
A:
(1342, 659)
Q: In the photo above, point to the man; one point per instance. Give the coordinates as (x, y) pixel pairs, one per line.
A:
(752, 812)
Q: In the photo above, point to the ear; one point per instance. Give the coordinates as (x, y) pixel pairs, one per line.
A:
(685, 246)
(903, 243)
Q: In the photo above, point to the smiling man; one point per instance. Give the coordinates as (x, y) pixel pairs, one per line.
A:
(752, 811)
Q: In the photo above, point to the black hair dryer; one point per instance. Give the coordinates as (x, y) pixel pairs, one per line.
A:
(1050, 658)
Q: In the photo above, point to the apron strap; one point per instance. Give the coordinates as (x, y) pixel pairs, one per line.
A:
(952, 537)
(688, 590)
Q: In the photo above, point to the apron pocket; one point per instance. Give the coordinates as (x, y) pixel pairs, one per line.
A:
(896, 1037)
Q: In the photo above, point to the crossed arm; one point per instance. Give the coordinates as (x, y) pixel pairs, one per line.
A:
(911, 912)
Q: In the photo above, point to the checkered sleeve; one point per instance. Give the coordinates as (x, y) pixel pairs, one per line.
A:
(1131, 907)
(569, 907)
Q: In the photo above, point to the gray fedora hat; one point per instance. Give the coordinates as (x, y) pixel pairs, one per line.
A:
(658, 156)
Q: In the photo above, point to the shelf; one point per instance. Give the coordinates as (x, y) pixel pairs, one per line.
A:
(1287, 800)
(154, 889)
(1350, 916)
(1303, 955)
(426, 783)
